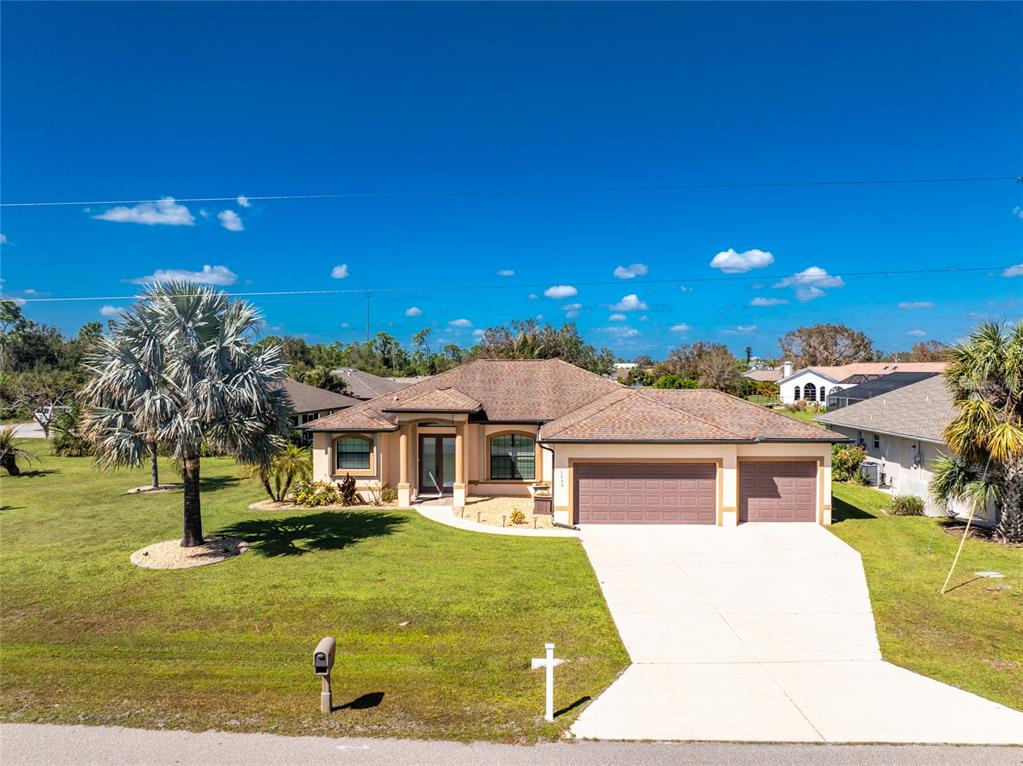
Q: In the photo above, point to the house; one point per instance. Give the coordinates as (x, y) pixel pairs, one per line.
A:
(309, 402)
(608, 454)
(902, 433)
(768, 374)
(842, 397)
(365, 385)
(813, 384)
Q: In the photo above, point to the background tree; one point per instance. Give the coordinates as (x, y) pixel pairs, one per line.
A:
(986, 436)
(528, 339)
(179, 370)
(826, 344)
(674, 380)
(711, 365)
(929, 351)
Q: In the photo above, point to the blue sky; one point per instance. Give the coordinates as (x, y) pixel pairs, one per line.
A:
(143, 101)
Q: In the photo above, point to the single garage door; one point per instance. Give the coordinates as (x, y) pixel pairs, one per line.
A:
(645, 493)
(778, 491)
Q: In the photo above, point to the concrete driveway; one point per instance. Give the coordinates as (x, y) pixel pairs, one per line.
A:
(761, 632)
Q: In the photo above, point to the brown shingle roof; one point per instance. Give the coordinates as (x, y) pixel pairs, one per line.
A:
(840, 372)
(365, 385)
(527, 391)
(700, 415)
(438, 400)
(306, 398)
(920, 410)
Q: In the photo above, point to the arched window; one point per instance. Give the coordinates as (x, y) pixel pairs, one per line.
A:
(822, 394)
(795, 394)
(810, 392)
(512, 456)
(352, 453)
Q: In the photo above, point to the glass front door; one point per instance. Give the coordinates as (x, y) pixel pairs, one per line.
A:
(436, 465)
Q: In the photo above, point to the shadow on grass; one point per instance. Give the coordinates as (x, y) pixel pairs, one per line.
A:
(326, 531)
(573, 706)
(365, 702)
(35, 473)
(212, 483)
(841, 510)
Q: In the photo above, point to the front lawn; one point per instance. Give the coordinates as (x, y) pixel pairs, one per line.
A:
(972, 637)
(89, 638)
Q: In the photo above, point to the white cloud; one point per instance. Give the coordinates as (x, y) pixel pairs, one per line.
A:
(345, 325)
(809, 283)
(230, 220)
(340, 271)
(731, 262)
(1014, 271)
(621, 331)
(477, 333)
(571, 309)
(210, 275)
(560, 291)
(680, 327)
(768, 301)
(460, 323)
(506, 272)
(916, 333)
(913, 305)
(165, 211)
(244, 202)
(4, 240)
(685, 289)
(111, 311)
(533, 296)
(1018, 212)
(413, 311)
(630, 302)
(204, 213)
(742, 329)
(631, 271)
(617, 318)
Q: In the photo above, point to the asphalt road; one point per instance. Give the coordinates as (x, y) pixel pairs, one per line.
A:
(49, 745)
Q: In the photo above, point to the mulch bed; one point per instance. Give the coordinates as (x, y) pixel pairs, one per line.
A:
(170, 555)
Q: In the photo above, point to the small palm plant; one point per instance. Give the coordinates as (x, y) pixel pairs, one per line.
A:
(292, 464)
(178, 371)
(986, 436)
(11, 453)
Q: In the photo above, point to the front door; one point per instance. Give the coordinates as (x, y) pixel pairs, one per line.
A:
(436, 465)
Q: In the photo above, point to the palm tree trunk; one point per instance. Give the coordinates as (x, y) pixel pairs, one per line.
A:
(193, 511)
(1010, 525)
(153, 470)
(10, 463)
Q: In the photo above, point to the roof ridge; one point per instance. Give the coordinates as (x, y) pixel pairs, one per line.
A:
(701, 419)
(625, 393)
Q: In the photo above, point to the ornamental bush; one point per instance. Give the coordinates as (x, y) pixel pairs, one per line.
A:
(316, 494)
(845, 462)
(906, 505)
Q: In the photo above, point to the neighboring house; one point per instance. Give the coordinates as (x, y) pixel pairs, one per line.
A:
(843, 397)
(902, 433)
(364, 385)
(622, 370)
(769, 374)
(814, 384)
(609, 454)
(309, 402)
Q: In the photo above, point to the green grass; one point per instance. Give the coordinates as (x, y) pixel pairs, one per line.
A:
(805, 416)
(89, 638)
(972, 637)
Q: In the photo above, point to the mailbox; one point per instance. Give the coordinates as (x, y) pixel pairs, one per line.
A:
(323, 657)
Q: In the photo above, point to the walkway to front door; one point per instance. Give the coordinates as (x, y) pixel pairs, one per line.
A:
(762, 632)
(436, 465)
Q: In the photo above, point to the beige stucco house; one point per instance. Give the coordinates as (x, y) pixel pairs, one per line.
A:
(606, 453)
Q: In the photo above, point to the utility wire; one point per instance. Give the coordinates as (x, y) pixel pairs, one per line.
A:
(535, 286)
(539, 190)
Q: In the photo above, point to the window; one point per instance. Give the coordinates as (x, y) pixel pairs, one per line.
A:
(810, 392)
(877, 442)
(822, 393)
(352, 453)
(512, 456)
(795, 394)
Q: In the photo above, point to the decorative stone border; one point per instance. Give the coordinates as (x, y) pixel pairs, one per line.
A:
(170, 555)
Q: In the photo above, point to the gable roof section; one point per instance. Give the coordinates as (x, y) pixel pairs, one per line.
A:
(437, 400)
(838, 373)
(678, 416)
(919, 410)
(527, 391)
(306, 398)
(365, 385)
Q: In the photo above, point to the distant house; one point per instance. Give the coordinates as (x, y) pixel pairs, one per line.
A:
(309, 402)
(901, 431)
(364, 385)
(814, 384)
(768, 374)
(843, 397)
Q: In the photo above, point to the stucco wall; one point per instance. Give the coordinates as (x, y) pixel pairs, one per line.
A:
(787, 389)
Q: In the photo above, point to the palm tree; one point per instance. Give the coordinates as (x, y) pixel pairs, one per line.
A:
(986, 436)
(291, 464)
(178, 371)
(10, 453)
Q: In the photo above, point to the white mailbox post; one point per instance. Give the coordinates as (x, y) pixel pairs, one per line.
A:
(548, 663)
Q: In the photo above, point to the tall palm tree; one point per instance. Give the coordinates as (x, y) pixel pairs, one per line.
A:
(986, 380)
(178, 371)
(290, 465)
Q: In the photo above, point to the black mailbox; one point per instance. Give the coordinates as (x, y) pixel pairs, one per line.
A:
(323, 657)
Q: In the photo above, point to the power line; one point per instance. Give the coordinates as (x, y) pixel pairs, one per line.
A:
(539, 190)
(536, 286)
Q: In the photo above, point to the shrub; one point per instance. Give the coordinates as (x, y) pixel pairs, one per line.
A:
(346, 491)
(906, 505)
(518, 517)
(316, 494)
(674, 380)
(845, 462)
(798, 406)
(388, 494)
(66, 439)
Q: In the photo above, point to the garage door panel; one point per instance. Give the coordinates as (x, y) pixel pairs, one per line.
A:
(646, 493)
(783, 490)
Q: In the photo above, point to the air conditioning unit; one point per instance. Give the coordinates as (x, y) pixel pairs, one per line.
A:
(872, 473)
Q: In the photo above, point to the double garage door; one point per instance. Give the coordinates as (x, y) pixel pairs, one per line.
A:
(685, 493)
